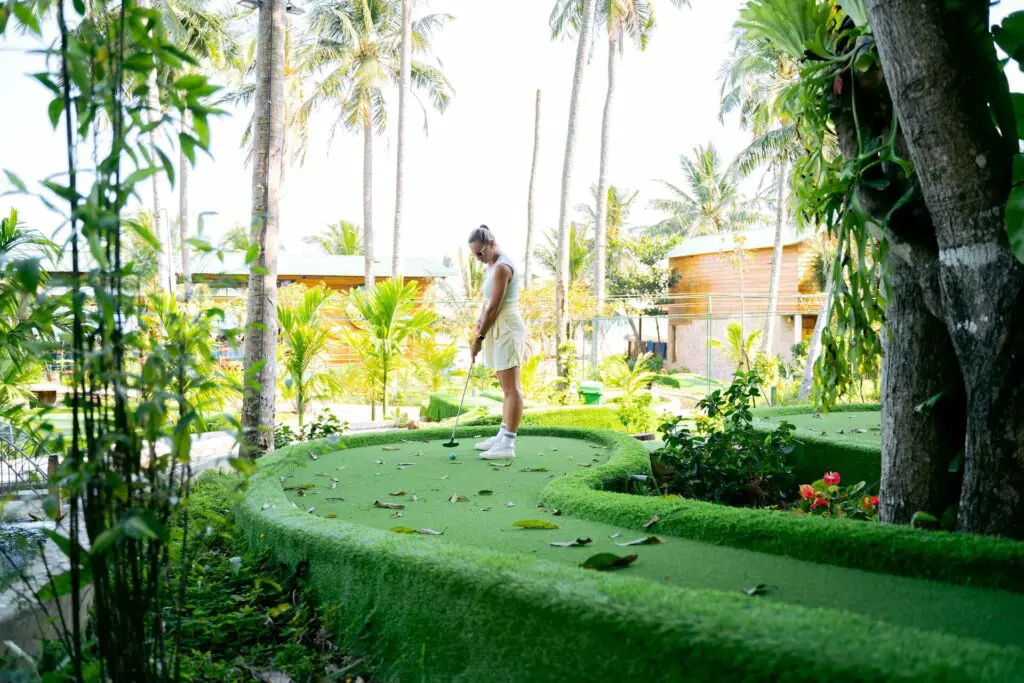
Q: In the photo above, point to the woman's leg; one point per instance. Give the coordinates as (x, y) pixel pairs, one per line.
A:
(503, 380)
(512, 408)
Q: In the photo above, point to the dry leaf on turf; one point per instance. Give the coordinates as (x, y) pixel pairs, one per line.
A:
(414, 498)
(556, 512)
(388, 506)
(646, 540)
(534, 524)
(395, 515)
(334, 484)
(389, 448)
(485, 492)
(333, 498)
(578, 543)
(397, 493)
(430, 532)
(332, 515)
(615, 535)
(860, 431)
(759, 589)
(313, 456)
(510, 504)
(298, 487)
(406, 464)
(310, 510)
(603, 562)
(652, 521)
(534, 469)
(380, 462)
(456, 498)
(401, 530)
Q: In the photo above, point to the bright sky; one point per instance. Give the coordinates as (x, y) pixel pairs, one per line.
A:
(474, 166)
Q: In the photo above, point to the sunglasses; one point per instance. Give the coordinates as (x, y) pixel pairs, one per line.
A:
(480, 253)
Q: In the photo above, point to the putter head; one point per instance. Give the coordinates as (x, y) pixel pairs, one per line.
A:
(450, 444)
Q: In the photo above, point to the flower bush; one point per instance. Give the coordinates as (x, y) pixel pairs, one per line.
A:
(826, 498)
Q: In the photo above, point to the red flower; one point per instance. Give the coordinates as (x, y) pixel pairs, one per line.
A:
(871, 502)
(807, 491)
(819, 503)
(831, 478)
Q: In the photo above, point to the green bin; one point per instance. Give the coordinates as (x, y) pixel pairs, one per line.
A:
(591, 392)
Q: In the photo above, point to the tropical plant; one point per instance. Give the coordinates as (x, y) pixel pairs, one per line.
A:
(356, 54)
(724, 459)
(630, 378)
(711, 202)
(581, 252)
(473, 272)
(433, 360)
(386, 317)
(825, 498)
(306, 338)
(583, 29)
(235, 239)
(338, 239)
(738, 347)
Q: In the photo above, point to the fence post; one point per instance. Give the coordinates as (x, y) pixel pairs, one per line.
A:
(51, 479)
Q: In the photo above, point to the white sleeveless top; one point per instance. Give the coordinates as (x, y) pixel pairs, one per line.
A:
(512, 290)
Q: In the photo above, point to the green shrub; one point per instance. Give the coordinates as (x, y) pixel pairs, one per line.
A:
(583, 417)
(725, 460)
(443, 405)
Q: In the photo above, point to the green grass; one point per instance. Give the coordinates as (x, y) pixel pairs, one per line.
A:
(486, 521)
(688, 383)
(443, 405)
(467, 605)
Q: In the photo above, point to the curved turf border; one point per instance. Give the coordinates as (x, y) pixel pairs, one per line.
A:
(966, 559)
(435, 611)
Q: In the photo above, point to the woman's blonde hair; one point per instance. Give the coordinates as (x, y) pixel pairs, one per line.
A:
(483, 235)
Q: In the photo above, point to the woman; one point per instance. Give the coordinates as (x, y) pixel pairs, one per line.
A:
(501, 334)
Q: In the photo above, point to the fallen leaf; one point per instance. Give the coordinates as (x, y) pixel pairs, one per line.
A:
(510, 504)
(534, 469)
(534, 524)
(331, 515)
(313, 456)
(389, 448)
(485, 492)
(556, 512)
(487, 509)
(380, 462)
(266, 506)
(334, 484)
(414, 498)
(397, 493)
(860, 431)
(456, 498)
(585, 464)
(578, 543)
(333, 498)
(395, 515)
(310, 510)
(388, 506)
(646, 540)
(498, 465)
(540, 505)
(615, 535)
(406, 464)
(603, 562)
(401, 530)
(298, 487)
(759, 589)
(445, 477)
(652, 521)
(430, 532)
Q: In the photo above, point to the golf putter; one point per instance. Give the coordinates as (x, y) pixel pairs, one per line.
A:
(453, 443)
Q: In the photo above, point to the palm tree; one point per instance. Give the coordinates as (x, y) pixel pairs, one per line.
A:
(305, 337)
(527, 272)
(472, 276)
(581, 252)
(338, 239)
(738, 346)
(434, 359)
(758, 80)
(268, 160)
(404, 77)
(357, 50)
(235, 239)
(561, 21)
(386, 317)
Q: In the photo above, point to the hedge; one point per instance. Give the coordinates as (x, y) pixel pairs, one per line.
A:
(981, 561)
(428, 610)
(583, 417)
(443, 405)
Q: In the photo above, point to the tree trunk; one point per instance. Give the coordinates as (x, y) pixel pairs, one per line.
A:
(368, 203)
(184, 220)
(403, 95)
(964, 170)
(527, 271)
(562, 281)
(601, 225)
(261, 304)
(744, 360)
(776, 274)
(918, 442)
(384, 395)
(814, 346)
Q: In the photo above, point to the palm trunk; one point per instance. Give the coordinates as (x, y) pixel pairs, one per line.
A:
(184, 220)
(403, 93)
(384, 395)
(562, 284)
(964, 167)
(601, 226)
(776, 275)
(744, 359)
(529, 200)
(368, 202)
(152, 113)
(261, 305)
(814, 345)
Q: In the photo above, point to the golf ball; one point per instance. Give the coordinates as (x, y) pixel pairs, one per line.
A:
(452, 456)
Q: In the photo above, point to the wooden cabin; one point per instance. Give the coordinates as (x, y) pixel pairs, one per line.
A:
(725, 279)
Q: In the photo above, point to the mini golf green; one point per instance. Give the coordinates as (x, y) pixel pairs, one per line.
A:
(861, 427)
(421, 477)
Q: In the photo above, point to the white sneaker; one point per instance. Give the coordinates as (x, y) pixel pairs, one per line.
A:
(504, 450)
(488, 444)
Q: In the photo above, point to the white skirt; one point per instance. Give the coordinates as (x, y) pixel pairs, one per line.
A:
(504, 343)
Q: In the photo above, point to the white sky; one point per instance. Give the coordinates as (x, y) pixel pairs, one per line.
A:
(474, 166)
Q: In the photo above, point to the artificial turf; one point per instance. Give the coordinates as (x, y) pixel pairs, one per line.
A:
(859, 427)
(378, 473)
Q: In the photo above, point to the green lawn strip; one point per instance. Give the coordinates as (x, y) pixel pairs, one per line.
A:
(583, 417)
(980, 561)
(373, 474)
(435, 610)
(687, 382)
(846, 442)
(443, 405)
